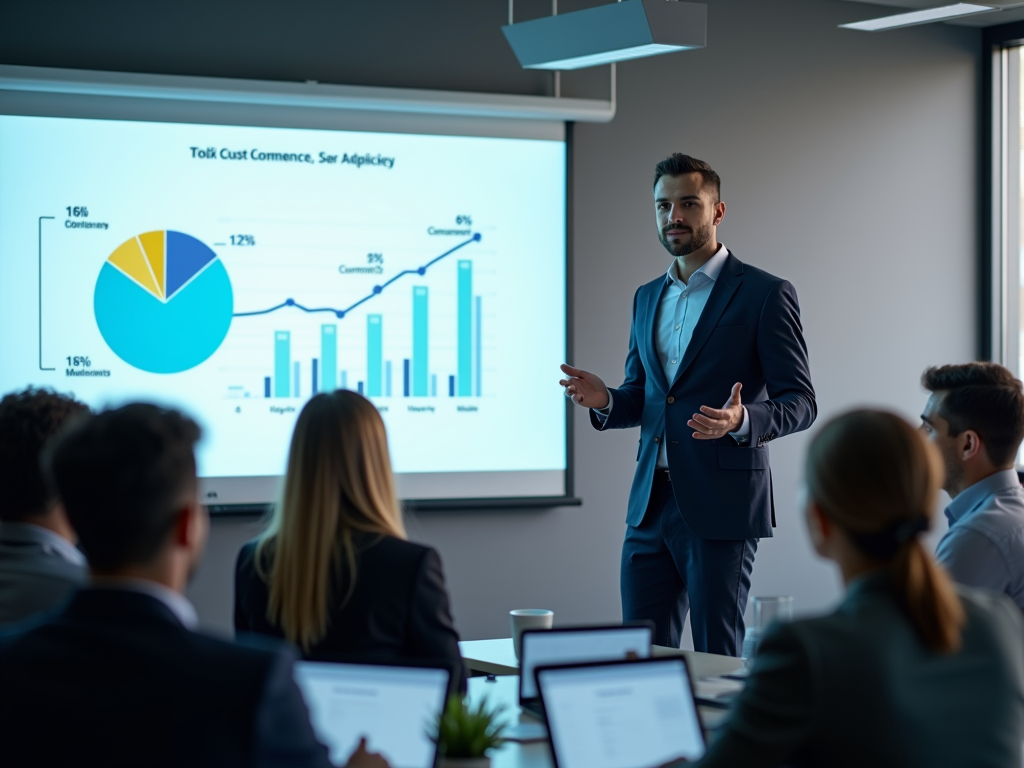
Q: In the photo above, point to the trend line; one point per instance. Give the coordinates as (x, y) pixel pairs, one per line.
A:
(377, 289)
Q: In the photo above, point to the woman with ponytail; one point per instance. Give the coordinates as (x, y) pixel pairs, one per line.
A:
(908, 670)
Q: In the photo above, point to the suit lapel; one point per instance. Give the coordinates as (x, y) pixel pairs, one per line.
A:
(649, 307)
(725, 286)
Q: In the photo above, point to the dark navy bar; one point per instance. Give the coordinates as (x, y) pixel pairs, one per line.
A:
(405, 377)
(266, 386)
(316, 379)
(451, 386)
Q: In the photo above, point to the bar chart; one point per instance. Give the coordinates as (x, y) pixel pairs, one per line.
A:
(420, 372)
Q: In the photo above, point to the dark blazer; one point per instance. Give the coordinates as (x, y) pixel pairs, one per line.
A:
(116, 680)
(33, 577)
(398, 610)
(856, 688)
(749, 332)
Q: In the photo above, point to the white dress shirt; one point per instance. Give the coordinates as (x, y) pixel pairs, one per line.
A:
(679, 308)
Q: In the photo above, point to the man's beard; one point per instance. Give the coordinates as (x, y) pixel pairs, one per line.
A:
(699, 237)
(954, 469)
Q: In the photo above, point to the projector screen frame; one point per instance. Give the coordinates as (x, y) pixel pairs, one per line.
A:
(25, 100)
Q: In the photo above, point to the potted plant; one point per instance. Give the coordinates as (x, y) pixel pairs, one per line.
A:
(465, 734)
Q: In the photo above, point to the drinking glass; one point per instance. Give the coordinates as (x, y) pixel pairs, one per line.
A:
(766, 610)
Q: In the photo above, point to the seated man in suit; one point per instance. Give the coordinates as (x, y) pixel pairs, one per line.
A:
(975, 416)
(121, 669)
(39, 564)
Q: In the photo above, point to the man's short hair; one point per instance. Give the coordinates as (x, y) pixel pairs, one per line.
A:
(124, 475)
(29, 420)
(678, 164)
(984, 397)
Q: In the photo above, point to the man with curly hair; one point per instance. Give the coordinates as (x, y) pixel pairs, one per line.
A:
(39, 564)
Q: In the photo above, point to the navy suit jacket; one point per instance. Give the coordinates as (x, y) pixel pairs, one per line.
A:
(116, 680)
(749, 332)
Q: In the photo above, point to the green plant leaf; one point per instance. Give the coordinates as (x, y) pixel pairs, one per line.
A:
(464, 731)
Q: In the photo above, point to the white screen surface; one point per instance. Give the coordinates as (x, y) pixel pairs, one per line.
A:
(392, 707)
(621, 716)
(552, 647)
(133, 255)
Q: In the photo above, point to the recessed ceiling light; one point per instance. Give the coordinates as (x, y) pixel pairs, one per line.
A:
(913, 18)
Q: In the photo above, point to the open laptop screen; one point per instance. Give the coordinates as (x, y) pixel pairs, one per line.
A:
(550, 647)
(393, 707)
(638, 714)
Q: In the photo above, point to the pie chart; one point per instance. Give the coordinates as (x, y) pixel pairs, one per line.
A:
(163, 301)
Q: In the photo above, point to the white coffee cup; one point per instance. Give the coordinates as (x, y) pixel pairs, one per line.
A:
(529, 618)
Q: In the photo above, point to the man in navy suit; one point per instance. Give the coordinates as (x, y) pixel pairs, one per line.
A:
(711, 329)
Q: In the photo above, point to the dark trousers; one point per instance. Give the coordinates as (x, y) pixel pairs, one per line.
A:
(667, 570)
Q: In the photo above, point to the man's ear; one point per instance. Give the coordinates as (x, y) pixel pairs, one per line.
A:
(186, 526)
(719, 213)
(970, 444)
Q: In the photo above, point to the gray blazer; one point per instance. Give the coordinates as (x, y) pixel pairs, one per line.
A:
(38, 571)
(857, 688)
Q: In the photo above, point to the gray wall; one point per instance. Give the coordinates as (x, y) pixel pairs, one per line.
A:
(850, 167)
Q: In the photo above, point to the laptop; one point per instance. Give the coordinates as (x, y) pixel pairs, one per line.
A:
(575, 645)
(622, 714)
(392, 706)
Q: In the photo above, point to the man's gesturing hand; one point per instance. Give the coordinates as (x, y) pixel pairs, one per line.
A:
(584, 388)
(712, 423)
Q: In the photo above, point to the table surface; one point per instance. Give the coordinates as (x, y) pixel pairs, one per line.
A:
(497, 657)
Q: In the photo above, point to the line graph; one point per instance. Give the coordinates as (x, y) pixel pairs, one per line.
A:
(377, 289)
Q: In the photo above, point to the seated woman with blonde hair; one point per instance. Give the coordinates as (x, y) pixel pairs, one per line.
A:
(333, 573)
(908, 670)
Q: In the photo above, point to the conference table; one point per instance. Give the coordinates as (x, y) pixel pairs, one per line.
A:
(499, 687)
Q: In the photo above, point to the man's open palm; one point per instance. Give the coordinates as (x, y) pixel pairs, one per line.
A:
(712, 423)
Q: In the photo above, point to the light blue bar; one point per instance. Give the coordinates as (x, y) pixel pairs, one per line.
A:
(387, 379)
(296, 391)
(419, 341)
(479, 343)
(433, 385)
(465, 376)
(328, 358)
(344, 379)
(374, 354)
(282, 363)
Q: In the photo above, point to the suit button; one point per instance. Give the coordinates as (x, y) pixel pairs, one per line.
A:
(657, 439)
(671, 400)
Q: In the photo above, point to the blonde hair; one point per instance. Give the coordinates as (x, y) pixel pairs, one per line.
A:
(338, 484)
(877, 478)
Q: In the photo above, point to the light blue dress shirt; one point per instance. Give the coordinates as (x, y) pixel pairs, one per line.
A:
(679, 309)
(984, 546)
